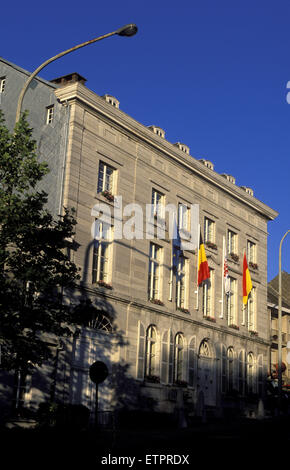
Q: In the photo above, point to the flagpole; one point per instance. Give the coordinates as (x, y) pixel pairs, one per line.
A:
(244, 305)
(223, 279)
(198, 242)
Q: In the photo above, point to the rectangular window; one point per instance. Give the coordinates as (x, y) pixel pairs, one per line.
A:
(157, 203)
(181, 282)
(49, 114)
(154, 291)
(209, 230)
(183, 217)
(101, 255)
(232, 242)
(231, 303)
(207, 298)
(2, 84)
(106, 178)
(251, 252)
(252, 306)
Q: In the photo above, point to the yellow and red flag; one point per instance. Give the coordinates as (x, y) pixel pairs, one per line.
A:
(247, 282)
(203, 269)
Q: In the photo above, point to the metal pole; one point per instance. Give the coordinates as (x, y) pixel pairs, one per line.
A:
(280, 324)
(127, 30)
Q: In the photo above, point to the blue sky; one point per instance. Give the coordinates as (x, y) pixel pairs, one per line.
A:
(212, 74)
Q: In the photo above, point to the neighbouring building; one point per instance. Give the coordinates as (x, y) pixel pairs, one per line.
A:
(273, 294)
(169, 346)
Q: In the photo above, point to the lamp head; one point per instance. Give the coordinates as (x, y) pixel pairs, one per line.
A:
(127, 30)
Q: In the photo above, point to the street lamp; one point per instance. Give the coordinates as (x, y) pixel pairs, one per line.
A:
(280, 323)
(127, 30)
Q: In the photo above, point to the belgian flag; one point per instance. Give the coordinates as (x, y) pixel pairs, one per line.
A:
(247, 282)
(203, 269)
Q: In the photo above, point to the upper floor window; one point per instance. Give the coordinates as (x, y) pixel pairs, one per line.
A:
(157, 203)
(209, 230)
(106, 178)
(183, 217)
(2, 84)
(251, 252)
(252, 306)
(154, 278)
(101, 256)
(232, 242)
(208, 296)
(181, 282)
(231, 303)
(49, 114)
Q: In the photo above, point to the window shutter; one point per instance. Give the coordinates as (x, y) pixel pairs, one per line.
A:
(141, 351)
(191, 362)
(164, 357)
(171, 357)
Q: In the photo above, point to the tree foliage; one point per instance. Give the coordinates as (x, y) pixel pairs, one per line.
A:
(34, 266)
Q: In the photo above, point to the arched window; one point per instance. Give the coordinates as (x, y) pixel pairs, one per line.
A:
(230, 369)
(151, 348)
(99, 321)
(204, 349)
(250, 373)
(178, 357)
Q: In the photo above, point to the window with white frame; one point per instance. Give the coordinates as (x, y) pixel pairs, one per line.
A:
(252, 306)
(151, 349)
(2, 84)
(157, 202)
(178, 357)
(231, 303)
(209, 230)
(106, 178)
(232, 242)
(102, 255)
(181, 282)
(183, 216)
(154, 277)
(251, 252)
(208, 296)
(49, 114)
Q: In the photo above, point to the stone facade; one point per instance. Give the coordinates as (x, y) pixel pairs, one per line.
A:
(179, 348)
(216, 355)
(51, 137)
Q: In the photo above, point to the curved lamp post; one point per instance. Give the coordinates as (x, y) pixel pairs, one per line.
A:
(127, 30)
(280, 323)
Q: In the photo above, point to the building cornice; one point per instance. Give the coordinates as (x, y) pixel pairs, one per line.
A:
(79, 93)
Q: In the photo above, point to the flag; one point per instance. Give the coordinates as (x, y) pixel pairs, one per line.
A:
(203, 269)
(247, 282)
(227, 281)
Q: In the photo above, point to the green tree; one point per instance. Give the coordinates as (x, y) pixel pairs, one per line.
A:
(34, 266)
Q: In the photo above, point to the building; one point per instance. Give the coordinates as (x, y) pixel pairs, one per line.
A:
(170, 346)
(273, 293)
